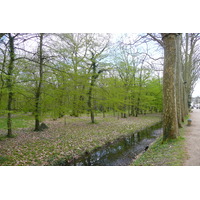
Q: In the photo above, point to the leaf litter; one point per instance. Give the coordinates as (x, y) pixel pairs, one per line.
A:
(65, 142)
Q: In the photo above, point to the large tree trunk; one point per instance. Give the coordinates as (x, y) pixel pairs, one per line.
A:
(185, 76)
(10, 85)
(92, 83)
(95, 75)
(38, 91)
(178, 80)
(170, 124)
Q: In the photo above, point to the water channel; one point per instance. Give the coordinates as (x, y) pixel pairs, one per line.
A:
(121, 152)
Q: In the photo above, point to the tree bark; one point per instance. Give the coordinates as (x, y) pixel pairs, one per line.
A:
(1, 77)
(38, 91)
(185, 76)
(10, 84)
(90, 103)
(178, 80)
(170, 124)
(93, 78)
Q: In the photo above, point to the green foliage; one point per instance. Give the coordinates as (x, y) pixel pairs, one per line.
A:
(125, 83)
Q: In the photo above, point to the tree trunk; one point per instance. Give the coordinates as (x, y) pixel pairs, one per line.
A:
(1, 78)
(10, 85)
(185, 76)
(38, 92)
(90, 104)
(170, 124)
(95, 75)
(75, 112)
(178, 80)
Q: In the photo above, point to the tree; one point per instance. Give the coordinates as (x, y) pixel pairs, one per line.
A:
(35, 59)
(7, 74)
(179, 82)
(39, 84)
(170, 123)
(3, 63)
(173, 84)
(99, 44)
(71, 50)
(190, 66)
(10, 82)
(135, 72)
(75, 73)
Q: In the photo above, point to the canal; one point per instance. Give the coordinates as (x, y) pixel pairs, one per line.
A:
(122, 151)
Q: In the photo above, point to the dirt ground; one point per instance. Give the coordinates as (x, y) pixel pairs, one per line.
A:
(193, 139)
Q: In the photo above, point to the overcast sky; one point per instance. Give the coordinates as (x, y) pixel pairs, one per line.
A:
(196, 90)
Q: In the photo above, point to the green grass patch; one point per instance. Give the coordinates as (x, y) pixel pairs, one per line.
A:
(169, 153)
(2, 137)
(3, 159)
(18, 121)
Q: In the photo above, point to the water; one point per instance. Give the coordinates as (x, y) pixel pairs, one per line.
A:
(121, 152)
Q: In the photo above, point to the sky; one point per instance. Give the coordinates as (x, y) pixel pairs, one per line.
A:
(196, 89)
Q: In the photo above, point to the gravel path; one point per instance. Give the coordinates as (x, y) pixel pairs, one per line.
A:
(193, 140)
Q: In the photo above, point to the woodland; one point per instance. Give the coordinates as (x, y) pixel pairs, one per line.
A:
(53, 85)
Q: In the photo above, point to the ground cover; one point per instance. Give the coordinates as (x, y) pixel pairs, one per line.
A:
(169, 153)
(19, 121)
(66, 138)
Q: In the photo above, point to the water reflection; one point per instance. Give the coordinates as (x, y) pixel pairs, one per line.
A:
(121, 152)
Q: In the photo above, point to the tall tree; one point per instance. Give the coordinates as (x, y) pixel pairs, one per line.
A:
(10, 82)
(3, 63)
(95, 68)
(39, 84)
(72, 49)
(94, 75)
(179, 82)
(170, 123)
(7, 73)
(190, 65)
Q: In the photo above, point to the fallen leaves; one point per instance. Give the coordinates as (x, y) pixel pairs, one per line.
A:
(63, 142)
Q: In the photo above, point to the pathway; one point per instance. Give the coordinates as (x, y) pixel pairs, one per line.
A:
(193, 139)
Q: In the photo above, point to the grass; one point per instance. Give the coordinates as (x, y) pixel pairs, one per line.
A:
(169, 153)
(3, 159)
(19, 121)
(2, 137)
(64, 142)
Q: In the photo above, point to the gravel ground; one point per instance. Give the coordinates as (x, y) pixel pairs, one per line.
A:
(193, 140)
